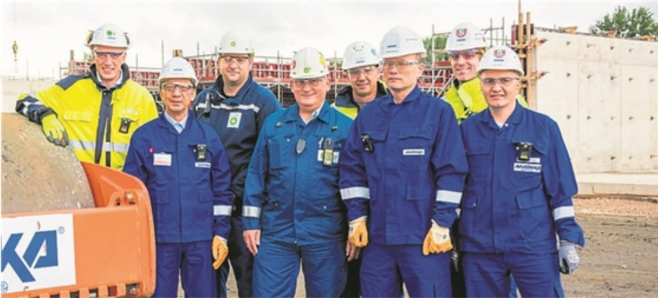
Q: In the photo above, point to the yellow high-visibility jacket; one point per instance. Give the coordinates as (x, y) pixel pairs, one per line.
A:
(99, 121)
(345, 103)
(466, 98)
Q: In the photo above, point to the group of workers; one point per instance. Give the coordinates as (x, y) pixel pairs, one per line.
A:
(388, 186)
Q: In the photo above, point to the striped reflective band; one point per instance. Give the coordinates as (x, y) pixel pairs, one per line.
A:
(355, 192)
(249, 211)
(91, 146)
(222, 210)
(223, 106)
(447, 196)
(563, 212)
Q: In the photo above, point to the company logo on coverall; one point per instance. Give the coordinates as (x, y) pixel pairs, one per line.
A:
(37, 252)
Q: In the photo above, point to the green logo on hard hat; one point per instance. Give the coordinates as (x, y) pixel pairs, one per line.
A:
(232, 43)
(110, 33)
(307, 69)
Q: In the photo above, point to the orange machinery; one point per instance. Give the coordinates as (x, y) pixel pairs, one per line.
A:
(113, 247)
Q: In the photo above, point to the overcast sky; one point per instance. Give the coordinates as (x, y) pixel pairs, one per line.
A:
(46, 31)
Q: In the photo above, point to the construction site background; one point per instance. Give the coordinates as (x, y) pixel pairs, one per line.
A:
(602, 91)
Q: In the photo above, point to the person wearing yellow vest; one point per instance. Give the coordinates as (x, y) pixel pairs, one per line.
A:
(466, 45)
(96, 112)
(361, 64)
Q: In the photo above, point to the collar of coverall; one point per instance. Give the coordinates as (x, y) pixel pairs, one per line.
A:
(219, 86)
(293, 113)
(515, 118)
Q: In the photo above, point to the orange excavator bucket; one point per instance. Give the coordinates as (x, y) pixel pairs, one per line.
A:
(107, 251)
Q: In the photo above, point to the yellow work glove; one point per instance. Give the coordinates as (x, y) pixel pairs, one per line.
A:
(219, 251)
(358, 232)
(437, 240)
(54, 130)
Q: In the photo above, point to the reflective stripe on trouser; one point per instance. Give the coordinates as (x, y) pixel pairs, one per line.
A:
(488, 275)
(423, 276)
(193, 261)
(276, 268)
(242, 262)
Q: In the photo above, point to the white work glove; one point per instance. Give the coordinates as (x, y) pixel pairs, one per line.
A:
(569, 259)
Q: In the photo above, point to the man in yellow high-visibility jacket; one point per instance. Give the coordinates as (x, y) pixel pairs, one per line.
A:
(96, 112)
(466, 45)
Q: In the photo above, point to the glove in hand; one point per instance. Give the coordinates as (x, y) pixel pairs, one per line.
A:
(569, 259)
(437, 240)
(358, 234)
(54, 130)
(219, 251)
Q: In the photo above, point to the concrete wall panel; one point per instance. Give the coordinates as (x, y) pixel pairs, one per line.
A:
(603, 93)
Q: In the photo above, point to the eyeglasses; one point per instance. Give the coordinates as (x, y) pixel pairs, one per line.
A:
(236, 59)
(504, 81)
(467, 54)
(171, 87)
(358, 71)
(400, 64)
(313, 83)
(106, 55)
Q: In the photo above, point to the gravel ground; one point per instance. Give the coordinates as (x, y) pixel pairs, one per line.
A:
(620, 258)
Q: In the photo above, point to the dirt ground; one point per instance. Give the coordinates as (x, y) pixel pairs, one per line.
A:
(620, 257)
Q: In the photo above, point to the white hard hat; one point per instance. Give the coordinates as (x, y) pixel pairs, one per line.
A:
(359, 54)
(109, 35)
(235, 42)
(308, 63)
(464, 37)
(401, 41)
(178, 68)
(500, 57)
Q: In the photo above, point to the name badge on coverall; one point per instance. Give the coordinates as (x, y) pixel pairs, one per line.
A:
(162, 159)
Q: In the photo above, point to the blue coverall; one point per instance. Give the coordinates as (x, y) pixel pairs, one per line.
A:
(237, 120)
(292, 196)
(513, 206)
(414, 174)
(189, 197)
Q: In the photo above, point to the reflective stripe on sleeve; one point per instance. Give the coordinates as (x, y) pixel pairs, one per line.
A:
(222, 210)
(447, 196)
(355, 192)
(250, 211)
(563, 212)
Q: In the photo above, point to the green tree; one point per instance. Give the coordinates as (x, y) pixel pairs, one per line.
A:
(439, 43)
(630, 24)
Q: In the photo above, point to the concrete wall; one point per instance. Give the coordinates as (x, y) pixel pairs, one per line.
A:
(603, 92)
(11, 89)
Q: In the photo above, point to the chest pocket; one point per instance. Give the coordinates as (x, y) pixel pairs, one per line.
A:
(162, 165)
(334, 157)
(478, 154)
(281, 149)
(200, 169)
(126, 122)
(77, 116)
(414, 149)
(528, 174)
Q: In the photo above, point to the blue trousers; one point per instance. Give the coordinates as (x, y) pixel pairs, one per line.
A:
(385, 267)
(488, 275)
(276, 268)
(193, 261)
(241, 260)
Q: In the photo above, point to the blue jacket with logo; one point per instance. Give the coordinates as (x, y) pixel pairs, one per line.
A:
(512, 204)
(238, 120)
(414, 174)
(293, 196)
(189, 195)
